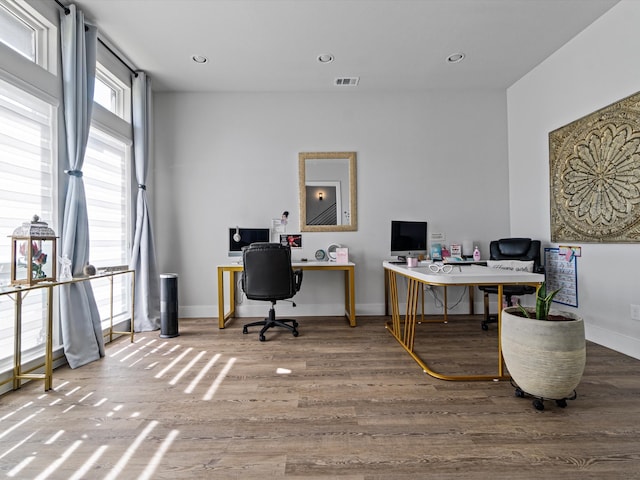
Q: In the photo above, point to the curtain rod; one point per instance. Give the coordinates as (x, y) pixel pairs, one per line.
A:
(67, 11)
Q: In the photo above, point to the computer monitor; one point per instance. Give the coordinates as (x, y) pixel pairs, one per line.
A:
(408, 239)
(247, 236)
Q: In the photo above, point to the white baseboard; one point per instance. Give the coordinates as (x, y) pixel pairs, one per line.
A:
(197, 311)
(615, 341)
(283, 309)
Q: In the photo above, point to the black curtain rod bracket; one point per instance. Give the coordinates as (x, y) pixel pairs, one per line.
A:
(66, 10)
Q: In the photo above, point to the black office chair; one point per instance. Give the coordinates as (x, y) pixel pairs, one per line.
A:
(268, 275)
(523, 249)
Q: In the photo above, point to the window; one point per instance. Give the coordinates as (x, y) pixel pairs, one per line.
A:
(26, 187)
(111, 93)
(105, 95)
(17, 34)
(107, 182)
(106, 179)
(30, 99)
(27, 32)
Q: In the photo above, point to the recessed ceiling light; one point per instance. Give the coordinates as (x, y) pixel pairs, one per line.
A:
(199, 59)
(325, 58)
(455, 57)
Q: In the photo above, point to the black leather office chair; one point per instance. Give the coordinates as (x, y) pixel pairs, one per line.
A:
(523, 249)
(268, 275)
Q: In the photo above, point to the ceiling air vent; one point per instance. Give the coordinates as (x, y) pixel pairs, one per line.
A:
(346, 81)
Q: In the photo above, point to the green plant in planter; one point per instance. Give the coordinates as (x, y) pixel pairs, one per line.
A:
(543, 303)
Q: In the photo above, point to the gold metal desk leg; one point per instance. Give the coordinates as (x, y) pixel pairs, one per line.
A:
(222, 316)
(111, 309)
(404, 332)
(17, 342)
(220, 297)
(350, 295)
(48, 355)
(232, 294)
(133, 302)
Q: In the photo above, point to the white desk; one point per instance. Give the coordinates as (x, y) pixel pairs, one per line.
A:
(233, 268)
(472, 275)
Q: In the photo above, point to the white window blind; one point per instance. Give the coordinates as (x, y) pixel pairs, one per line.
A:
(26, 183)
(105, 178)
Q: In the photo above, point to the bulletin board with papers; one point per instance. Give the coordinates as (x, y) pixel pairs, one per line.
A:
(560, 272)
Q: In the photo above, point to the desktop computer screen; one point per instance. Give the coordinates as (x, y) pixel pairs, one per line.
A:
(243, 237)
(408, 239)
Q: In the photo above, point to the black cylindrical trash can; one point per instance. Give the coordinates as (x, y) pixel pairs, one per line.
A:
(169, 305)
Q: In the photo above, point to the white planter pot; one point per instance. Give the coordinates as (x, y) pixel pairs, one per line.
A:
(545, 358)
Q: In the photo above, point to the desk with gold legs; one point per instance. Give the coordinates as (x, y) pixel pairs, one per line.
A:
(232, 269)
(404, 329)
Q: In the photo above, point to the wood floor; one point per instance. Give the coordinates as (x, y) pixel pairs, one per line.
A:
(335, 402)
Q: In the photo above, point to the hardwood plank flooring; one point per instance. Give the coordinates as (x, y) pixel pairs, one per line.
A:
(335, 402)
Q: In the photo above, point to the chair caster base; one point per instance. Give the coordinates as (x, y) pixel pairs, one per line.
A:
(268, 323)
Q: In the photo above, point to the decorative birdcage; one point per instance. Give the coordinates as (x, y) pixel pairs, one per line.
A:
(33, 253)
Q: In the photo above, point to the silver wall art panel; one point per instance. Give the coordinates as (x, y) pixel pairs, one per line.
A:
(594, 168)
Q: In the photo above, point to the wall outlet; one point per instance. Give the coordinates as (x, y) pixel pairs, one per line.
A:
(635, 312)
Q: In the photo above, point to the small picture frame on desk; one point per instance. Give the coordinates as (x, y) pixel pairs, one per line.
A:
(342, 255)
(293, 240)
(456, 250)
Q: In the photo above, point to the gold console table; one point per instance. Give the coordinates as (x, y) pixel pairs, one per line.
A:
(18, 293)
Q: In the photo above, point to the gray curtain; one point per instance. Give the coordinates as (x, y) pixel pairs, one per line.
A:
(143, 253)
(79, 316)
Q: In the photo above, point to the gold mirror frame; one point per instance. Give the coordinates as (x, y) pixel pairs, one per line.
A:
(350, 212)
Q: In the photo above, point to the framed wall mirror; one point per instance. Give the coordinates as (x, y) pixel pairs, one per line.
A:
(327, 187)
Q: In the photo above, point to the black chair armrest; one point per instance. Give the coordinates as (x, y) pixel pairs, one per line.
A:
(539, 269)
(297, 279)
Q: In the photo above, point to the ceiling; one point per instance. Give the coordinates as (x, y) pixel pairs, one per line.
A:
(392, 45)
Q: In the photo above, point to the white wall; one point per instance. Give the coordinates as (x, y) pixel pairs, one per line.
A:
(231, 159)
(595, 69)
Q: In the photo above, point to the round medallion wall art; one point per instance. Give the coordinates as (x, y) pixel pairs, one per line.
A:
(594, 168)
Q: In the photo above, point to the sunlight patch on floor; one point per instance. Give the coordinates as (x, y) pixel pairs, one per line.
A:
(161, 373)
(177, 365)
(86, 466)
(186, 368)
(159, 455)
(223, 373)
(118, 468)
(59, 461)
(194, 383)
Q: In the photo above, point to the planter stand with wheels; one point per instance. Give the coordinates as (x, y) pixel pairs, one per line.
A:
(538, 402)
(545, 358)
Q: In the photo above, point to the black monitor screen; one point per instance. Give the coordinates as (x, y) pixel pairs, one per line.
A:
(247, 237)
(408, 238)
